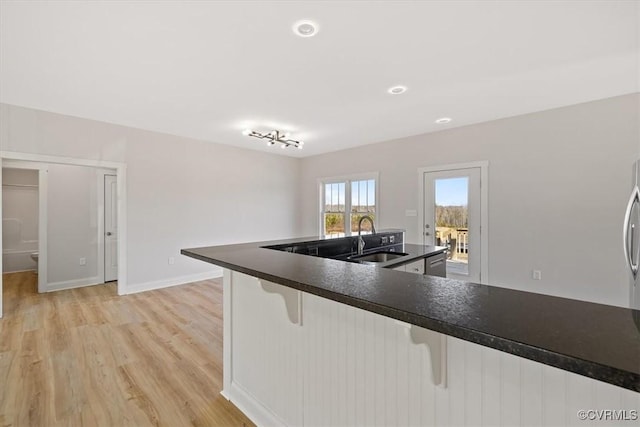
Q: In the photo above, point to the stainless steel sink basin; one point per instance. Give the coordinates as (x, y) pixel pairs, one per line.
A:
(376, 257)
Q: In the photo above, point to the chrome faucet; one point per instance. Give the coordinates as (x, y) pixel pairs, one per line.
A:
(360, 239)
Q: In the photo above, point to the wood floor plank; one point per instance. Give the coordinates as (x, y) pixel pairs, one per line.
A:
(87, 357)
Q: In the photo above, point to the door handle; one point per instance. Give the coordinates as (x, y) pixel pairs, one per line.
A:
(628, 251)
(108, 233)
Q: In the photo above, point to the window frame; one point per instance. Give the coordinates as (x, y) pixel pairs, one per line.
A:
(347, 180)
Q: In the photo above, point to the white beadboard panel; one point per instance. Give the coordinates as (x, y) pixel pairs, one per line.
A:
(579, 396)
(442, 396)
(426, 411)
(266, 349)
(510, 390)
(370, 380)
(630, 400)
(607, 397)
(379, 374)
(402, 377)
(553, 396)
(491, 396)
(354, 372)
(361, 355)
(473, 383)
(455, 382)
(389, 399)
(531, 395)
(349, 367)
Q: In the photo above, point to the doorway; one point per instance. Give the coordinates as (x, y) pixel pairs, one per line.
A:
(454, 215)
(7, 157)
(20, 220)
(35, 187)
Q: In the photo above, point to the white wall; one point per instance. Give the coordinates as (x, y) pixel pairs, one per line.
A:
(20, 219)
(558, 186)
(72, 225)
(558, 182)
(180, 192)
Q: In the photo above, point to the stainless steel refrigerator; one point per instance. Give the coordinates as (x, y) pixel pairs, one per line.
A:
(631, 238)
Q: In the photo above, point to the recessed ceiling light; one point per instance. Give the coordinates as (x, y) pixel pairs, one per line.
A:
(443, 120)
(397, 90)
(305, 28)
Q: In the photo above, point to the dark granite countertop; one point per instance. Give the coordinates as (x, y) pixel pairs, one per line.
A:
(595, 340)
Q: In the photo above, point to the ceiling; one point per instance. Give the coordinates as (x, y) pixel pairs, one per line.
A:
(209, 70)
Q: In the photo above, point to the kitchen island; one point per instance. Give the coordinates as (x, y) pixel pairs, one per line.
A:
(311, 340)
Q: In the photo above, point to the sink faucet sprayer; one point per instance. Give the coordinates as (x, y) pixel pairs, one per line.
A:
(360, 239)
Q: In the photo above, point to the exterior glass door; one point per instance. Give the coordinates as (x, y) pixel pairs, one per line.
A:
(452, 219)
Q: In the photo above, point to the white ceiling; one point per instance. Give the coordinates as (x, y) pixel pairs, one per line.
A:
(208, 70)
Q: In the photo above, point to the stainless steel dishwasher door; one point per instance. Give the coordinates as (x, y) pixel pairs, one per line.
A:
(436, 265)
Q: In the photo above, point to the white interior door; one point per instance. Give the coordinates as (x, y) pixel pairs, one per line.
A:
(110, 228)
(452, 218)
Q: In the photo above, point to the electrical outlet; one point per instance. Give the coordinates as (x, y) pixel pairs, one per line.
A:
(171, 260)
(536, 275)
(83, 261)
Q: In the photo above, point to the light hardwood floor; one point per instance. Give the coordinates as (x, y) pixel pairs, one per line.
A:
(87, 357)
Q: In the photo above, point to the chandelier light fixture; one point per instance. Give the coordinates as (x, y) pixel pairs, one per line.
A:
(275, 136)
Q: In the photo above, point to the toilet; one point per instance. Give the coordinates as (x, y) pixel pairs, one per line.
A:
(34, 256)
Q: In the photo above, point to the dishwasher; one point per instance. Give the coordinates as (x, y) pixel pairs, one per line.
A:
(436, 265)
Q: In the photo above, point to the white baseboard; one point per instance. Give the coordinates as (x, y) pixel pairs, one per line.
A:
(20, 271)
(249, 406)
(174, 281)
(71, 284)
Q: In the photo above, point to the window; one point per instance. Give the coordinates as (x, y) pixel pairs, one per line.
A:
(344, 202)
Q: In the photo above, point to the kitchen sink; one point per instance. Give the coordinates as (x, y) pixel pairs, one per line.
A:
(376, 257)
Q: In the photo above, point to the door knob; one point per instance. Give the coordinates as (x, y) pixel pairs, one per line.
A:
(109, 233)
